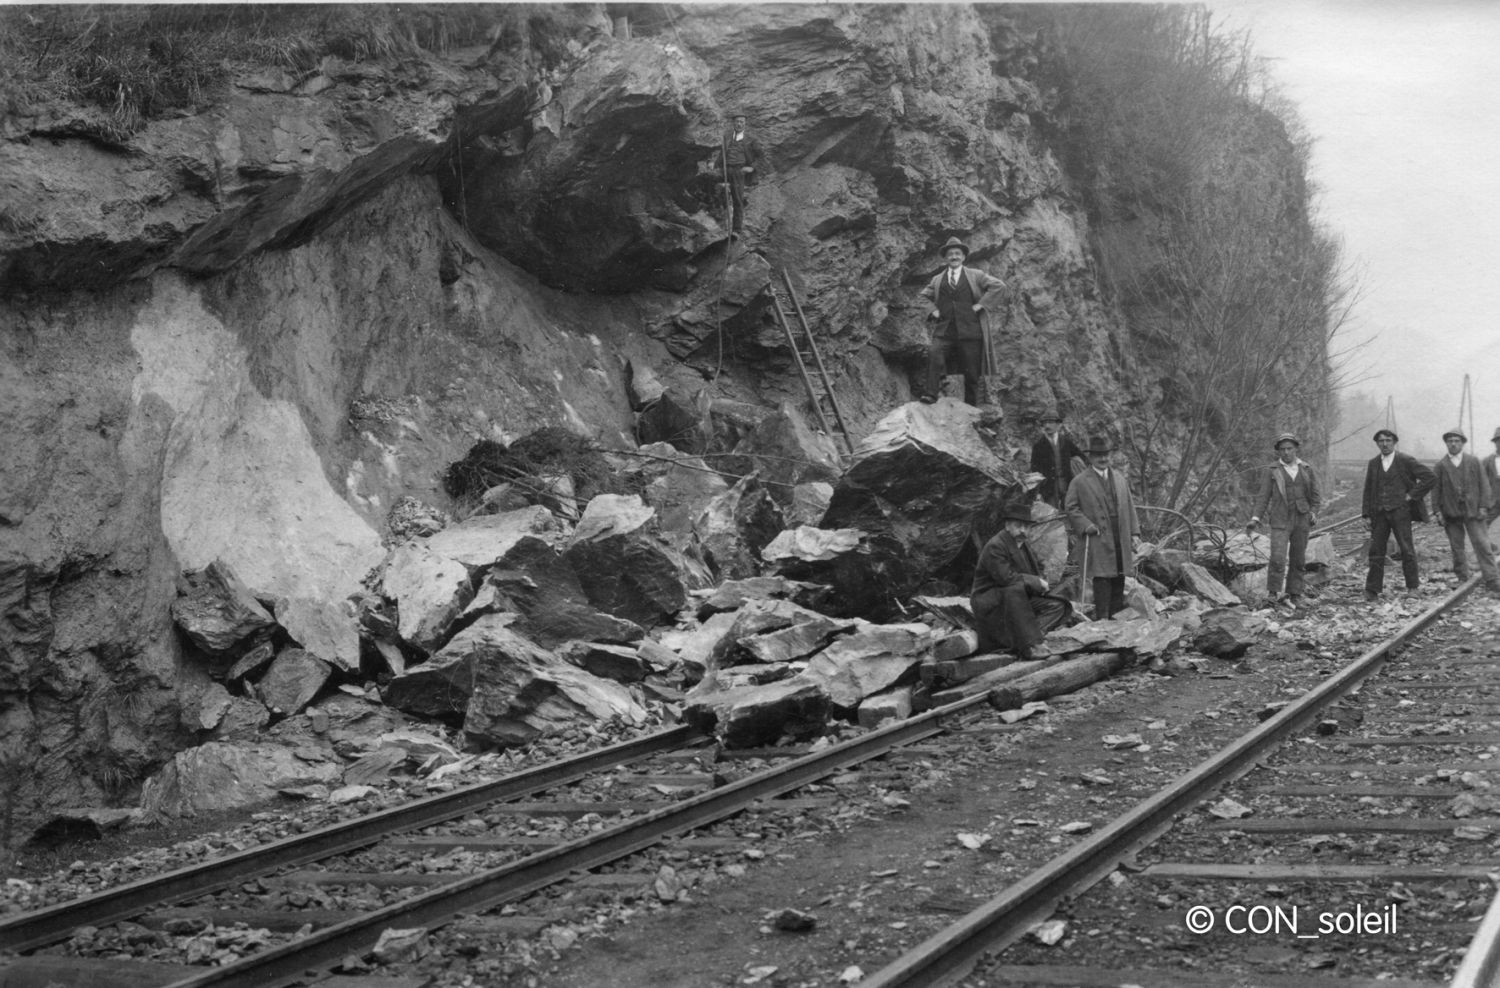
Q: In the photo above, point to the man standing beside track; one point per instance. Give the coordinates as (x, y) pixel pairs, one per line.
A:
(1289, 500)
(1395, 485)
(1462, 497)
(1492, 474)
(1100, 509)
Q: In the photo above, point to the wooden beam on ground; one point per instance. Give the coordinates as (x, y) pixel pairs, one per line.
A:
(1395, 741)
(1359, 792)
(985, 682)
(1375, 768)
(474, 842)
(1061, 677)
(52, 971)
(1072, 976)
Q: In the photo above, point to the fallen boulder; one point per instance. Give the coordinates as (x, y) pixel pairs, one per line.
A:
(223, 776)
(784, 451)
(534, 582)
(292, 680)
(919, 480)
(624, 567)
(734, 527)
(1228, 634)
(481, 541)
(883, 708)
(430, 591)
(732, 594)
(869, 660)
(218, 613)
(1198, 580)
(755, 716)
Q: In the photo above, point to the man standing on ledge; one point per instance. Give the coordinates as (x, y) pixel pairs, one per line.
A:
(1102, 514)
(1461, 498)
(1052, 457)
(1395, 484)
(961, 298)
(738, 157)
(1289, 500)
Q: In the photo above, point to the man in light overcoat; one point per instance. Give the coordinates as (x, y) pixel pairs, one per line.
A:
(1288, 502)
(1102, 514)
(1462, 498)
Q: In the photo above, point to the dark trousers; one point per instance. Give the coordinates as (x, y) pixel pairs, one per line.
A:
(1384, 524)
(1109, 596)
(1288, 541)
(1014, 618)
(949, 355)
(737, 197)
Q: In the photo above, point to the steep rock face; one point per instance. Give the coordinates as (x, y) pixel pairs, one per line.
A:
(243, 333)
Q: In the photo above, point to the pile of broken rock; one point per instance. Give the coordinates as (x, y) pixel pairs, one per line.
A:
(702, 599)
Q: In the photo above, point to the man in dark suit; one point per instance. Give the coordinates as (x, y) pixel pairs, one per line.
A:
(1395, 485)
(739, 156)
(962, 298)
(1052, 457)
(1009, 597)
(1102, 515)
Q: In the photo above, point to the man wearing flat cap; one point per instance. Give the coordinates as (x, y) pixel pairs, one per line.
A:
(962, 299)
(1102, 515)
(1011, 604)
(1288, 502)
(1462, 498)
(1395, 485)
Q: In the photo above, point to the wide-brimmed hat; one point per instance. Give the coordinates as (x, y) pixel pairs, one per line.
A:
(1286, 437)
(1455, 433)
(1099, 444)
(952, 243)
(1056, 415)
(1387, 432)
(1016, 511)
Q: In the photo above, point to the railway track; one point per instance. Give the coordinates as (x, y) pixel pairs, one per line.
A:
(1323, 836)
(520, 834)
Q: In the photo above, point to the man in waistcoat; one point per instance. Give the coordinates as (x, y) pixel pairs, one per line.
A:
(739, 156)
(1052, 457)
(962, 298)
(1491, 466)
(1011, 604)
(1102, 515)
(1461, 496)
(1288, 502)
(1395, 485)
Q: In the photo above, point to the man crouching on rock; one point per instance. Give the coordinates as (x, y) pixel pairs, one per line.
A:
(1010, 600)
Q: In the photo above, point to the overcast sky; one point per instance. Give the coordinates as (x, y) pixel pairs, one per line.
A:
(1403, 99)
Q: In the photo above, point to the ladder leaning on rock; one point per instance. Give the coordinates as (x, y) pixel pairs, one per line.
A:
(805, 351)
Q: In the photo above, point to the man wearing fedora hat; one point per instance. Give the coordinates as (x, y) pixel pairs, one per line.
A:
(1395, 485)
(962, 298)
(1052, 457)
(1462, 497)
(1100, 509)
(1011, 605)
(1289, 500)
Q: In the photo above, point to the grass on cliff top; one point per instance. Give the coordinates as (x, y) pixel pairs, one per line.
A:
(140, 62)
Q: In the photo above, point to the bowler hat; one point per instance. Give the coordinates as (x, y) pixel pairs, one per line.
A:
(952, 243)
(1055, 415)
(1286, 437)
(1496, 437)
(1456, 434)
(1098, 444)
(1387, 432)
(1016, 511)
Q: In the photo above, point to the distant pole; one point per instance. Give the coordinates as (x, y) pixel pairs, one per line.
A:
(1390, 413)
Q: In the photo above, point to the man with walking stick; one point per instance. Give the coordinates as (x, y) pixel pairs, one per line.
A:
(1102, 514)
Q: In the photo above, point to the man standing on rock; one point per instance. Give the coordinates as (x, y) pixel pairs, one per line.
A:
(738, 158)
(961, 298)
(1011, 605)
(1395, 484)
(1462, 497)
(1052, 457)
(1289, 501)
(1100, 509)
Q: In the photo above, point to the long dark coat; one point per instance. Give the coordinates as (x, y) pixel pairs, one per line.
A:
(1087, 504)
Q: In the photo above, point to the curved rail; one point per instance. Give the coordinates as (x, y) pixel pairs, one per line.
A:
(946, 957)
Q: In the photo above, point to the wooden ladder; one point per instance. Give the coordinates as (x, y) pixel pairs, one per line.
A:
(804, 352)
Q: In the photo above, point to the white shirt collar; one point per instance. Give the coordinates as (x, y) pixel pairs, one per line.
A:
(1386, 461)
(1292, 468)
(1457, 461)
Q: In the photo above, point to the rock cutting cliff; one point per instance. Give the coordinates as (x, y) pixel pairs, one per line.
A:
(245, 327)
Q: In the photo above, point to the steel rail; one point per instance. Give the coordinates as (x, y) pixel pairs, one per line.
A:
(290, 962)
(47, 925)
(1481, 963)
(950, 954)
